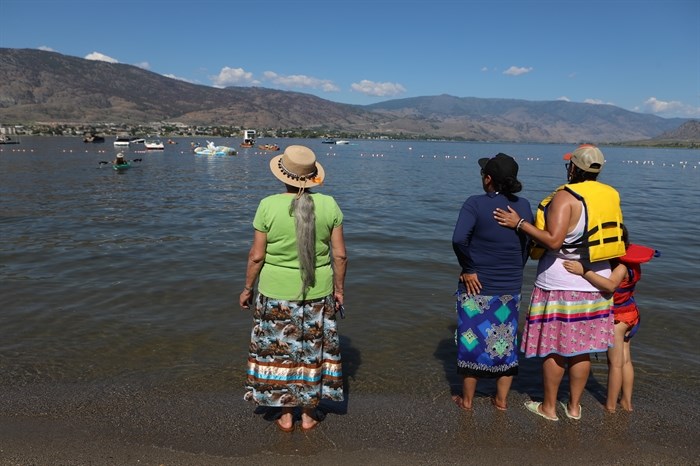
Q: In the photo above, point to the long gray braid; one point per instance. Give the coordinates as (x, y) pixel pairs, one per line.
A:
(305, 220)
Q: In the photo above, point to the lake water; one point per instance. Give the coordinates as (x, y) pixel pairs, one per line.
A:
(134, 277)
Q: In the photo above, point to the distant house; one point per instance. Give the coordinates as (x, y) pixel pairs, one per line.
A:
(6, 130)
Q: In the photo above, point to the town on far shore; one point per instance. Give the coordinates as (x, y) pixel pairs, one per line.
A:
(98, 132)
(93, 132)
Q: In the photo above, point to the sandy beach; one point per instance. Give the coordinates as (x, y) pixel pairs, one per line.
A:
(109, 425)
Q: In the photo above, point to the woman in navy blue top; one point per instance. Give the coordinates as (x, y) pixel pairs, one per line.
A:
(488, 295)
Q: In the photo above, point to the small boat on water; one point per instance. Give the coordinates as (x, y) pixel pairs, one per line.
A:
(342, 141)
(120, 163)
(5, 139)
(269, 147)
(154, 145)
(122, 141)
(213, 150)
(248, 138)
(93, 138)
(328, 141)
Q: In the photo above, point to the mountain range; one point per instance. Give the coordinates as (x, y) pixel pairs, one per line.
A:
(47, 87)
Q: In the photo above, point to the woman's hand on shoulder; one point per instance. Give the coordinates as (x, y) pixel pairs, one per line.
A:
(508, 219)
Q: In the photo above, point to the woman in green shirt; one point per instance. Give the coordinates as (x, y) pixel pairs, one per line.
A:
(298, 258)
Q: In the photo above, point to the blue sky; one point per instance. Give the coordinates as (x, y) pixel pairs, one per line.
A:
(641, 55)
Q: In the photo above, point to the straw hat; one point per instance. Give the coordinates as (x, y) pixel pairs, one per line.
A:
(297, 166)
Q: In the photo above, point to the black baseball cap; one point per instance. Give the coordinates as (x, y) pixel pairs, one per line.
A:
(499, 167)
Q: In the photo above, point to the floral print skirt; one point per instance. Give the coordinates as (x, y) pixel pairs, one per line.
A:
(486, 334)
(294, 355)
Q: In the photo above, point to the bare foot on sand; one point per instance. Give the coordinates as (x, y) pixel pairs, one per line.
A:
(286, 420)
(308, 420)
(501, 406)
(459, 401)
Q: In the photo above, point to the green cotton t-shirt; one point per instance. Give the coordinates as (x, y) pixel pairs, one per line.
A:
(280, 276)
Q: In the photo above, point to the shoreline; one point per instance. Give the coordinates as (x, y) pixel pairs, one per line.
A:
(88, 424)
(689, 144)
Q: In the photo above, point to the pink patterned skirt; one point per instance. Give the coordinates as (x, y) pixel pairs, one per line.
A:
(567, 323)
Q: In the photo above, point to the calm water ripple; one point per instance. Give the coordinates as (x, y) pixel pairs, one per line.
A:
(135, 275)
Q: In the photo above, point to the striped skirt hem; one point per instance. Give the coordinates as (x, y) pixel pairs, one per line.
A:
(567, 323)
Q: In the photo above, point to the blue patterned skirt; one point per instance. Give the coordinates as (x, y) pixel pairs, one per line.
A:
(294, 355)
(486, 334)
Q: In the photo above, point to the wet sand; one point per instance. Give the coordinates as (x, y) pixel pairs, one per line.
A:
(109, 425)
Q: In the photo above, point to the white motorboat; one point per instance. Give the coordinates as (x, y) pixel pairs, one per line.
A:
(342, 141)
(122, 141)
(154, 145)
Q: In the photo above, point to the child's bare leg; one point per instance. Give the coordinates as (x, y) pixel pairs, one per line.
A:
(616, 360)
(627, 379)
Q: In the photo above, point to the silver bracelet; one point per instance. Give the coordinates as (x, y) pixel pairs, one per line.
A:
(520, 223)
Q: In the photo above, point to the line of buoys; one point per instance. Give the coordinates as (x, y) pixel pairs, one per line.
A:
(681, 164)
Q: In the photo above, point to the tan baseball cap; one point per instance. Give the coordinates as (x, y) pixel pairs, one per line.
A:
(587, 157)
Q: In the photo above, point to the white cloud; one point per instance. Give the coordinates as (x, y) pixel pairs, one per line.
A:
(300, 81)
(517, 70)
(144, 65)
(378, 89)
(672, 108)
(172, 76)
(564, 98)
(100, 57)
(597, 102)
(484, 68)
(233, 77)
(46, 48)
(654, 105)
